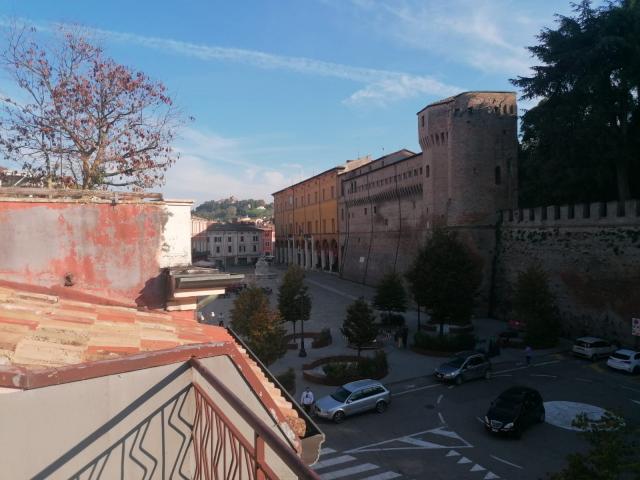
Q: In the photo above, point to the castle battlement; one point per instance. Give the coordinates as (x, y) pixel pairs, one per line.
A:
(582, 214)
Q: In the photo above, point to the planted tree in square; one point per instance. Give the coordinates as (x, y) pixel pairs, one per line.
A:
(444, 278)
(534, 305)
(358, 326)
(390, 294)
(261, 326)
(294, 302)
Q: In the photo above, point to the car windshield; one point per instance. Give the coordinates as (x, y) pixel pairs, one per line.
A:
(580, 343)
(456, 362)
(508, 402)
(620, 356)
(341, 395)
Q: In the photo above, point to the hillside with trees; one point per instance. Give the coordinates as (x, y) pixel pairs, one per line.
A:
(228, 209)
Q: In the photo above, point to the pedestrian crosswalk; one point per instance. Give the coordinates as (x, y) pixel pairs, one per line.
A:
(333, 465)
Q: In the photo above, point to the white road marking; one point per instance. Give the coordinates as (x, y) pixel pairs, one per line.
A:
(333, 461)
(490, 476)
(327, 451)
(410, 386)
(409, 439)
(383, 476)
(464, 460)
(477, 468)
(452, 453)
(480, 420)
(635, 401)
(416, 389)
(629, 388)
(542, 375)
(365, 467)
(439, 399)
(441, 418)
(451, 386)
(505, 462)
(550, 362)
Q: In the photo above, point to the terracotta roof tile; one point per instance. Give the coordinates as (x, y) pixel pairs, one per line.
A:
(40, 330)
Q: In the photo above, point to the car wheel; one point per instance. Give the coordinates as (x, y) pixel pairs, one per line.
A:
(338, 417)
(459, 380)
(542, 417)
(381, 407)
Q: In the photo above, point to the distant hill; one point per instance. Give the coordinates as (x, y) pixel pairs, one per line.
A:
(228, 209)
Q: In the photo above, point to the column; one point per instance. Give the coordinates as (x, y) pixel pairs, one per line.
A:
(322, 258)
(331, 260)
(313, 254)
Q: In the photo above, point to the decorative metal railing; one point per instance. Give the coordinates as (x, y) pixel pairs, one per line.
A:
(188, 435)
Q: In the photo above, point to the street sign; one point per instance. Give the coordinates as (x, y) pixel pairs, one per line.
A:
(635, 326)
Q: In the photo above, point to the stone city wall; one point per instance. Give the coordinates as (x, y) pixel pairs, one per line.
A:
(592, 255)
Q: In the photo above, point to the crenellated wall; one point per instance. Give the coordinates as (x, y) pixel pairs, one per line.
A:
(592, 255)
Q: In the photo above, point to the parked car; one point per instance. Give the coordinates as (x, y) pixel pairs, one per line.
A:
(510, 338)
(519, 325)
(627, 360)
(354, 397)
(514, 410)
(464, 366)
(592, 348)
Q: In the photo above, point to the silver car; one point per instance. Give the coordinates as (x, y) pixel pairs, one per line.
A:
(354, 397)
(464, 366)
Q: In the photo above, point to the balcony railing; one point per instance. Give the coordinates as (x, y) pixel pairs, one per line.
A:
(188, 435)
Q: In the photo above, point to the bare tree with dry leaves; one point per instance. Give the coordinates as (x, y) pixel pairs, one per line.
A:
(84, 120)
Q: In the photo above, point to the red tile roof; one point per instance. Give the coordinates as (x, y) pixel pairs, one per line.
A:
(40, 332)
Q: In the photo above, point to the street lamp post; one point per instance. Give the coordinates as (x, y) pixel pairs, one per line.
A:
(303, 352)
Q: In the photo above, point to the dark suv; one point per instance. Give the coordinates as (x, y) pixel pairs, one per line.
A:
(514, 410)
(464, 366)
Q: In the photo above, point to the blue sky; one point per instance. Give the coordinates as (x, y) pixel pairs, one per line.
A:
(284, 89)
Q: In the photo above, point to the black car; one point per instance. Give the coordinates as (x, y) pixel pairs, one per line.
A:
(514, 410)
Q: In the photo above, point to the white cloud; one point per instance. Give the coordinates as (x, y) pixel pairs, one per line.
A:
(212, 166)
(489, 36)
(381, 86)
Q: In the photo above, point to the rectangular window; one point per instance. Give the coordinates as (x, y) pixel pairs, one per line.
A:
(324, 226)
(427, 171)
(308, 227)
(229, 248)
(333, 225)
(229, 239)
(375, 209)
(217, 249)
(365, 210)
(422, 120)
(266, 244)
(242, 238)
(315, 196)
(255, 238)
(308, 198)
(255, 248)
(316, 230)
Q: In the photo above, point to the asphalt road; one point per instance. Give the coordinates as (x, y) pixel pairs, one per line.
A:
(434, 431)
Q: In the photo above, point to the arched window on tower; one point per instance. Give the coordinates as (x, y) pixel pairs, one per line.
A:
(498, 176)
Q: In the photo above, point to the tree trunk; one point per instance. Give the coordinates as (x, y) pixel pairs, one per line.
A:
(418, 317)
(294, 331)
(622, 178)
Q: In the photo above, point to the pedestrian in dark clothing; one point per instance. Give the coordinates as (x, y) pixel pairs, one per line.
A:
(527, 354)
(405, 336)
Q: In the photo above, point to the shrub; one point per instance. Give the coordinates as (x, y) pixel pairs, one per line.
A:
(323, 339)
(367, 367)
(444, 343)
(288, 380)
(392, 319)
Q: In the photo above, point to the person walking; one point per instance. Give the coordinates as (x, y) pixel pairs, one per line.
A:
(527, 354)
(307, 400)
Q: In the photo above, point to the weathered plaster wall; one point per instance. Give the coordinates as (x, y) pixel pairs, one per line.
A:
(593, 264)
(112, 251)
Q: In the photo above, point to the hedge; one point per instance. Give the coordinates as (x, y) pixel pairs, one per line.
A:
(444, 343)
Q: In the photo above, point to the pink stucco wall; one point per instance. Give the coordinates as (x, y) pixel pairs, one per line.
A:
(111, 251)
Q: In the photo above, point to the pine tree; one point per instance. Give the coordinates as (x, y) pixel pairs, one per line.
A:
(359, 326)
(294, 302)
(390, 294)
